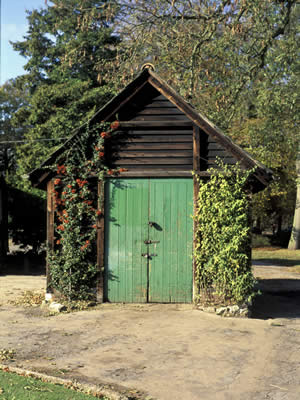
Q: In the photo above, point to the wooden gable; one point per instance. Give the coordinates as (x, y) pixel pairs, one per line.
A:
(160, 134)
(156, 138)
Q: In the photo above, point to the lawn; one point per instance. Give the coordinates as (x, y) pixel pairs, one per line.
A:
(278, 256)
(15, 387)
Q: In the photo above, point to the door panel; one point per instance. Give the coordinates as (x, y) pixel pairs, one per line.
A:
(126, 218)
(170, 271)
(154, 210)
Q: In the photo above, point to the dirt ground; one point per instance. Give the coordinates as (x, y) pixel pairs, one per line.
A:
(168, 352)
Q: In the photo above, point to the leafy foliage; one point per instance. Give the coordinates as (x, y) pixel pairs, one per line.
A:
(222, 251)
(12, 97)
(238, 63)
(67, 45)
(72, 264)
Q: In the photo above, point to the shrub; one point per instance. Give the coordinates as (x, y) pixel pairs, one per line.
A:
(260, 241)
(223, 237)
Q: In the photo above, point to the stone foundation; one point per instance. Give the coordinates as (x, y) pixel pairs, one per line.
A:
(242, 311)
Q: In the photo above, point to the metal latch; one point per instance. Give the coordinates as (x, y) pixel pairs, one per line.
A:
(146, 255)
(151, 241)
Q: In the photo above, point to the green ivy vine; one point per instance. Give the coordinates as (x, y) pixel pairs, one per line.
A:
(223, 238)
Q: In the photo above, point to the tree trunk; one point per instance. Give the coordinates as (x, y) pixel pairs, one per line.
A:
(294, 243)
(279, 225)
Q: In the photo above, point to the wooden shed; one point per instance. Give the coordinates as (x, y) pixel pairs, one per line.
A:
(145, 238)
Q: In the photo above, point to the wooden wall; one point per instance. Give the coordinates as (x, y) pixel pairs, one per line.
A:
(156, 139)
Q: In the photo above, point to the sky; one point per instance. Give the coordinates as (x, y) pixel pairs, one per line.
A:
(14, 27)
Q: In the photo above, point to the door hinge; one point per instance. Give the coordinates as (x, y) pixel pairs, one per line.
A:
(151, 241)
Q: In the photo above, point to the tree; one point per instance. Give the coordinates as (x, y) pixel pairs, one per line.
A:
(12, 97)
(294, 243)
(237, 62)
(67, 45)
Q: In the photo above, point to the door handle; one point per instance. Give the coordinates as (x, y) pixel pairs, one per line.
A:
(151, 241)
(151, 223)
(146, 255)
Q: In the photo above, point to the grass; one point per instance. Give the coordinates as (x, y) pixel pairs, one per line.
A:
(16, 387)
(278, 256)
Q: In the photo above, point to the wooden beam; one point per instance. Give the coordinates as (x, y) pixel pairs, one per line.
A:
(145, 153)
(155, 124)
(196, 167)
(122, 103)
(139, 146)
(153, 174)
(196, 148)
(158, 161)
(50, 229)
(100, 244)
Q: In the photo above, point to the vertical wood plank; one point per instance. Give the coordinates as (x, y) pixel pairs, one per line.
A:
(196, 148)
(50, 229)
(100, 244)
(196, 167)
(126, 219)
(170, 279)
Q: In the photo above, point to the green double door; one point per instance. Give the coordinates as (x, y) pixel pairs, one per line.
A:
(148, 240)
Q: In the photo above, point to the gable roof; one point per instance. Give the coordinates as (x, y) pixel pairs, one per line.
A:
(262, 174)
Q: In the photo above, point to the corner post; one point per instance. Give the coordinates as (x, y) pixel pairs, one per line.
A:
(100, 243)
(50, 229)
(196, 168)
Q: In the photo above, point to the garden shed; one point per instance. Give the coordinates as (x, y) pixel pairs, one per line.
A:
(145, 230)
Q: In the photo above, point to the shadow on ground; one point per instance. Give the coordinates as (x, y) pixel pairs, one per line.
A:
(276, 262)
(276, 305)
(20, 263)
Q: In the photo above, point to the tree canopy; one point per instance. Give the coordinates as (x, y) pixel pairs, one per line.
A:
(67, 45)
(12, 97)
(236, 61)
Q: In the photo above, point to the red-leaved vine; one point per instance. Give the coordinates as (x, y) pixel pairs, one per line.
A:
(72, 262)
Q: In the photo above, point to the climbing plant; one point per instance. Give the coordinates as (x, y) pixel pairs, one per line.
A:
(222, 250)
(77, 211)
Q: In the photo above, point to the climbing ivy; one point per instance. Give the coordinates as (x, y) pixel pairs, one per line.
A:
(222, 250)
(77, 210)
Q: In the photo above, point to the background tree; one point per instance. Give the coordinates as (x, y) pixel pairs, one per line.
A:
(237, 62)
(12, 97)
(66, 45)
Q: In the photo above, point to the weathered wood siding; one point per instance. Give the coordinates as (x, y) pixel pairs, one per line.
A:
(156, 136)
(212, 150)
(162, 138)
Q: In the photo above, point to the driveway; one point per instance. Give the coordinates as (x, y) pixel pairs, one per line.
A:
(167, 352)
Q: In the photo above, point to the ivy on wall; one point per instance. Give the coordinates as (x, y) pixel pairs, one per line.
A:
(77, 210)
(222, 252)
